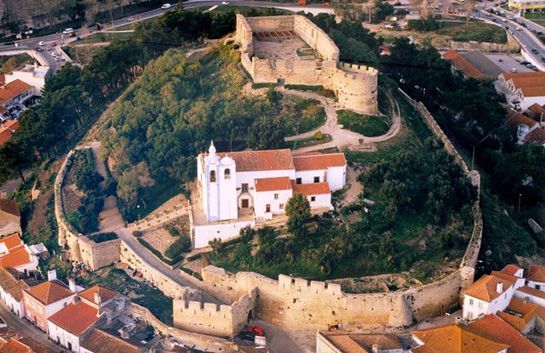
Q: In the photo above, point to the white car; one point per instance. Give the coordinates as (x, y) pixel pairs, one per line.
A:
(41, 42)
(68, 31)
(166, 6)
(224, 3)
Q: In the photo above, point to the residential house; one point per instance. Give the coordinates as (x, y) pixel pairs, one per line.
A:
(46, 299)
(20, 344)
(10, 217)
(473, 64)
(7, 129)
(13, 98)
(11, 292)
(33, 75)
(488, 295)
(536, 112)
(455, 339)
(339, 342)
(531, 295)
(522, 89)
(98, 341)
(15, 254)
(527, 130)
(536, 277)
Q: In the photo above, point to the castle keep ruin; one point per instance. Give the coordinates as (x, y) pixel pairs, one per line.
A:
(292, 50)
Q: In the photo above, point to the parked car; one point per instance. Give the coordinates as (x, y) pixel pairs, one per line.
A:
(53, 44)
(514, 70)
(9, 43)
(68, 31)
(166, 6)
(41, 43)
(535, 51)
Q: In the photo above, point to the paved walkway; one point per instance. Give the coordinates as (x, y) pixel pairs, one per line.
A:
(26, 329)
(340, 137)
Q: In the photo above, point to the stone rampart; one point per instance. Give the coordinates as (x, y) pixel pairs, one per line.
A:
(355, 86)
(97, 255)
(198, 341)
(218, 320)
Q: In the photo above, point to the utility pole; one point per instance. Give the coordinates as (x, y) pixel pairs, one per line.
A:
(520, 197)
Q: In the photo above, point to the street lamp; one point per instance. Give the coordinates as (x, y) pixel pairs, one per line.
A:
(138, 208)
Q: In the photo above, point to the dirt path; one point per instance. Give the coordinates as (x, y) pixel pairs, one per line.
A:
(355, 188)
(340, 137)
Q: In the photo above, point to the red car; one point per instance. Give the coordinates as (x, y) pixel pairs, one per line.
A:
(257, 330)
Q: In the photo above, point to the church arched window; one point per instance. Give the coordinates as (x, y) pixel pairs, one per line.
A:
(213, 176)
(227, 173)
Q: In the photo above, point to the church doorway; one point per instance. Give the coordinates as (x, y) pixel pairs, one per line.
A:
(244, 203)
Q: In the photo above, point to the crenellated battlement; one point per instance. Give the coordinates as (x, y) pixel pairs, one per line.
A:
(302, 285)
(356, 68)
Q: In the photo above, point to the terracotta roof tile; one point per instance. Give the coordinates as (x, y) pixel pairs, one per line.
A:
(519, 313)
(536, 136)
(261, 160)
(98, 341)
(355, 343)
(7, 129)
(14, 346)
(532, 291)
(492, 327)
(10, 206)
(49, 292)
(536, 273)
(462, 64)
(11, 285)
(318, 161)
(485, 288)
(511, 269)
(105, 294)
(12, 90)
(532, 84)
(535, 110)
(15, 258)
(272, 184)
(311, 189)
(455, 339)
(514, 119)
(75, 318)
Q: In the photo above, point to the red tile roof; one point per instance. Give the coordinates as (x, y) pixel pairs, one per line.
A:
(354, 343)
(105, 294)
(511, 269)
(15, 252)
(536, 110)
(318, 161)
(536, 273)
(49, 292)
(12, 90)
(11, 285)
(75, 318)
(514, 119)
(14, 346)
(536, 136)
(311, 189)
(532, 84)
(462, 64)
(7, 129)
(492, 327)
(485, 288)
(261, 160)
(532, 292)
(98, 341)
(272, 184)
(519, 313)
(455, 339)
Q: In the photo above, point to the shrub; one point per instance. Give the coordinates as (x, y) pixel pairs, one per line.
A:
(181, 245)
(318, 135)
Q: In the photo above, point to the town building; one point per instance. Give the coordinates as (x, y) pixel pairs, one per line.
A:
(536, 277)
(473, 64)
(10, 217)
(7, 129)
(525, 129)
(34, 75)
(16, 254)
(15, 97)
(98, 341)
(536, 112)
(20, 344)
(45, 299)
(522, 89)
(11, 292)
(339, 342)
(237, 188)
(523, 6)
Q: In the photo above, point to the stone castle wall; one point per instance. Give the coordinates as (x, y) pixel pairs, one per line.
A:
(214, 319)
(355, 86)
(97, 255)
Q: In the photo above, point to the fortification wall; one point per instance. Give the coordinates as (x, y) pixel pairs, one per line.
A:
(97, 255)
(244, 35)
(316, 38)
(300, 72)
(356, 87)
(214, 319)
(198, 341)
(271, 23)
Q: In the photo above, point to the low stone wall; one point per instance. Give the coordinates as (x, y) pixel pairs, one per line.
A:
(158, 219)
(198, 341)
(214, 319)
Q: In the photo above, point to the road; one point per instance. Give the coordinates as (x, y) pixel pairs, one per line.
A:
(62, 39)
(26, 329)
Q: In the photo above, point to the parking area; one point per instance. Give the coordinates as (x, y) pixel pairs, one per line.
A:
(509, 63)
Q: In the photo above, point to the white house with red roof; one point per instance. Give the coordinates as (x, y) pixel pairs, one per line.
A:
(237, 188)
(536, 277)
(16, 254)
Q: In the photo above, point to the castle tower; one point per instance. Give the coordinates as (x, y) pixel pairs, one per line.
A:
(218, 182)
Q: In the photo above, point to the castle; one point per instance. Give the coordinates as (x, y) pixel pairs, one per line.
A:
(294, 51)
(234, 189)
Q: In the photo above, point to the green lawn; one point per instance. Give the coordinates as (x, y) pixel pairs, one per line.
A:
(311, 141)
(302, 115)
(367, 125)
(476, 31)
(103, 37)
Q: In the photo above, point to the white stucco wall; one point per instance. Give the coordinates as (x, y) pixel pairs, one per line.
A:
(336, 178)
(63, 337)
(480, 307)
(532, 299)
(307, 176)
(537, 285)
(320, 201)
(54, 307)
(222, 231)
(17, 307)
(267, 197)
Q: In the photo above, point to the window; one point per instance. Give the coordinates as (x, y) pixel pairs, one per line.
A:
(276, 196)
(244, 187)
(298, 181)
(227, 173)
(470, 302)
(281, 206)
(317, 179)
(538, 286)
(213, 176)
(312, 198)
(480, 305)
(267, 208)
(245, 203)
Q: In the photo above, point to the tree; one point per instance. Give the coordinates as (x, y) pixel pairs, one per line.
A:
(298, 212)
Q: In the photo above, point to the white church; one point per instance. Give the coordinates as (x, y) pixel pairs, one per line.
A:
(236, 189)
